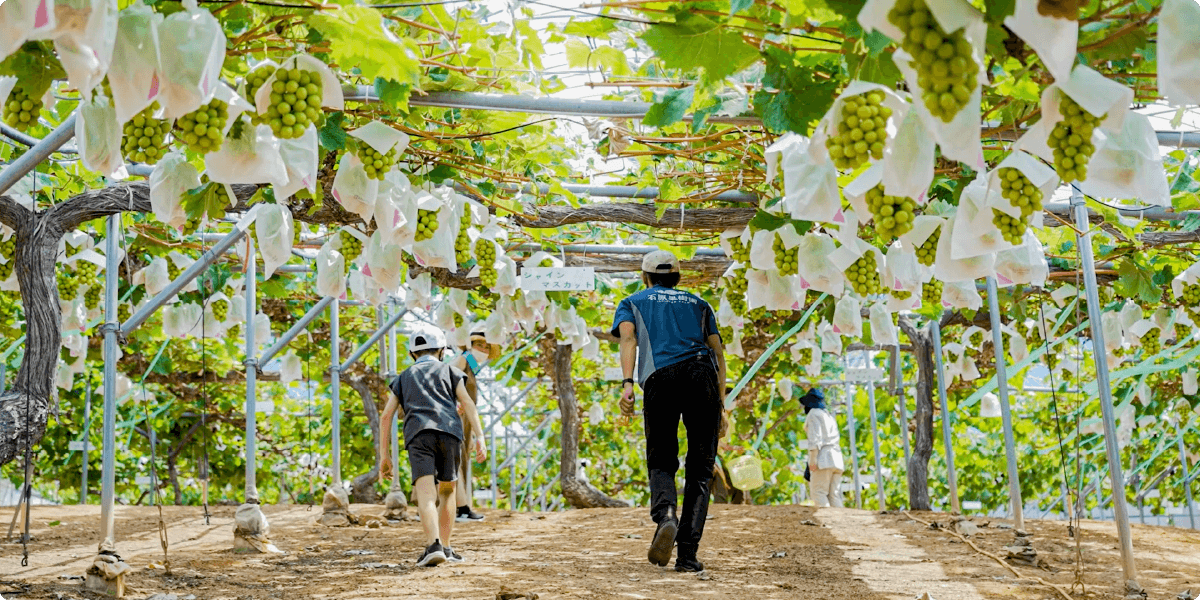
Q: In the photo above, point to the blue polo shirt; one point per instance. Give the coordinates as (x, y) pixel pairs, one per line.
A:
(671, 326)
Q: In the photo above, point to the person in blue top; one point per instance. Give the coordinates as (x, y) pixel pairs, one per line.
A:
(672, 337)
(471, 361)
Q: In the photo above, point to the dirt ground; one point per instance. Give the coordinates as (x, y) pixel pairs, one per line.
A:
(750, 552)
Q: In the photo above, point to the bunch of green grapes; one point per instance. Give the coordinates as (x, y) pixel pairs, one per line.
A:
(1151, 344)
(1061, 9)
(9, 249)
(1017, 189)
(946, 69)
(73, 250)
(257, 78)
(546, 263)
(863, 275)
(23, 107)
(1071, 140)
(458, 320)
(1190, 296)
(787, 261)
(222, 193)
(1012, 229)
(91, 296)
(805, 355)
(203, 129)
(462, 243)
(893, 214)
(737, 285)
(485, 255)
(927, 251)
(295, 102)
(757, 314)
(173, 270)
(145, 138)
(87, 271)
(352, 248)
(901, 294)
(124, 311)
(931, 293)
(374, 163)
(427, 224)
(220, 309)
(68, 286)
(861, 131)
(739, 251)
(1182, 332)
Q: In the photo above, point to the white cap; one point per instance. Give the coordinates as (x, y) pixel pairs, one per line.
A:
(426, 340)
(660, 261)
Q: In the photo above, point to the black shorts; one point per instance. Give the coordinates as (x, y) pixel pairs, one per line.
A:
(433, 452)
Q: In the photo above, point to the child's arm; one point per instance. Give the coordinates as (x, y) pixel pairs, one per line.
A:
(385, 436)
(472, 416)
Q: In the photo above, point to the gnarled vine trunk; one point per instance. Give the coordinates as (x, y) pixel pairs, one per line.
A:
(579, 493)
(922, 440)
(362, 487)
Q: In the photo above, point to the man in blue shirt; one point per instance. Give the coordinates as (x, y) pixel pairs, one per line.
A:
(672, 336)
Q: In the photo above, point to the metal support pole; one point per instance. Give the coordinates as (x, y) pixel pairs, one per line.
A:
(903, 405)
(1010, 445)
(1187, 482)
(335, 391)
(35, 155)
(512, 473)
(1066, 500)
(850, 426)
(291, 334)
(393, 354)
(111, 326)
(1103, 385)
(492, 469)
(935, 332)
(184, 278)
(87, 428)
(375, 337)
(875, 441)
(383, 342)
(509, 406)
(251, 382)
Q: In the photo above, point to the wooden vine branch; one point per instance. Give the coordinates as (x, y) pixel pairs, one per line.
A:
(708, 219)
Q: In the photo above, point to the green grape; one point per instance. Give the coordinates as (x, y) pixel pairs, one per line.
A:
(739, 252)
(458, 320)
(787, 261)
(757, 314)
(1182, 332)
(145, 137)
(1190, 296)
(8, 248)
(86, 271)
(220, 309)
(352, 248)
(1151, 344)
(931, 293)
(805, 355)
(1012, 229)
(295, 102)
(427, 224)
(861, 131)
(901, 294)
(485, 255)
(736, 291)
(257, 78)
(927, 251)
(91, 297)
(24, 105)
(73, 250)
(203, 129)
(124, 311)
(68, 286)
(946, 69)
(375, 164)
(173, 270)
(296, 227)
(893, 214)
(863, 275)
(1071, 140)
(462, 243)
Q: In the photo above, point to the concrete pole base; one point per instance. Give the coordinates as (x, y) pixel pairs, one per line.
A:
(109, 587)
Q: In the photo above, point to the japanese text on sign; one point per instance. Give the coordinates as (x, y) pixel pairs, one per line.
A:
(555, 279)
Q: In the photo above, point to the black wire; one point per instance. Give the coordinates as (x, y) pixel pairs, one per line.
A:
(204, 396)
(588, 14)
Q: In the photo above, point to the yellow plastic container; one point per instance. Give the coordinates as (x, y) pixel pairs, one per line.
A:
(746, 472)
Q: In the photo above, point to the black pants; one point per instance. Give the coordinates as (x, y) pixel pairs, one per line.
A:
(688, 390)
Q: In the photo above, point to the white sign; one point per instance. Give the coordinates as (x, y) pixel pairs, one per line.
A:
(142, 480)
(863, 375)
(265, 407)
(558, 279)
(972, 505)
(77, 446)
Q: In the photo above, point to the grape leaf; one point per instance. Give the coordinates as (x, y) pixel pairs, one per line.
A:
(393, 93)
(997, 10)
(692, 42)
(203, 200)
(357, 38)
(670, 109)
(331, 134)
(1136, 280)
(799, 100)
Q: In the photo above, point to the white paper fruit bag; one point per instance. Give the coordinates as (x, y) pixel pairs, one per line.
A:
(1179, 52)
(1025, 264)
(353, 189)
(816, 270)
(21, 20)
(883, 328)
(908, 160)
(1128, 165)
(172, 177)
(134, 75)
(772, 291)
(274, 228)
(331, 271)
(300, 159)
(83, 39)
(847, 317)
(1055, 40)
(850, 133)
(438, 249)
(250, 154)
(974, 231)
(809, 184)
(191, 50)
(98, 136)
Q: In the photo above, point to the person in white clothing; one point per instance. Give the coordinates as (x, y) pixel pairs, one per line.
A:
(824, 451)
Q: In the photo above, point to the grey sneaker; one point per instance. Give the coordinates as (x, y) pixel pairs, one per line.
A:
(433, 556)
(452, 556)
